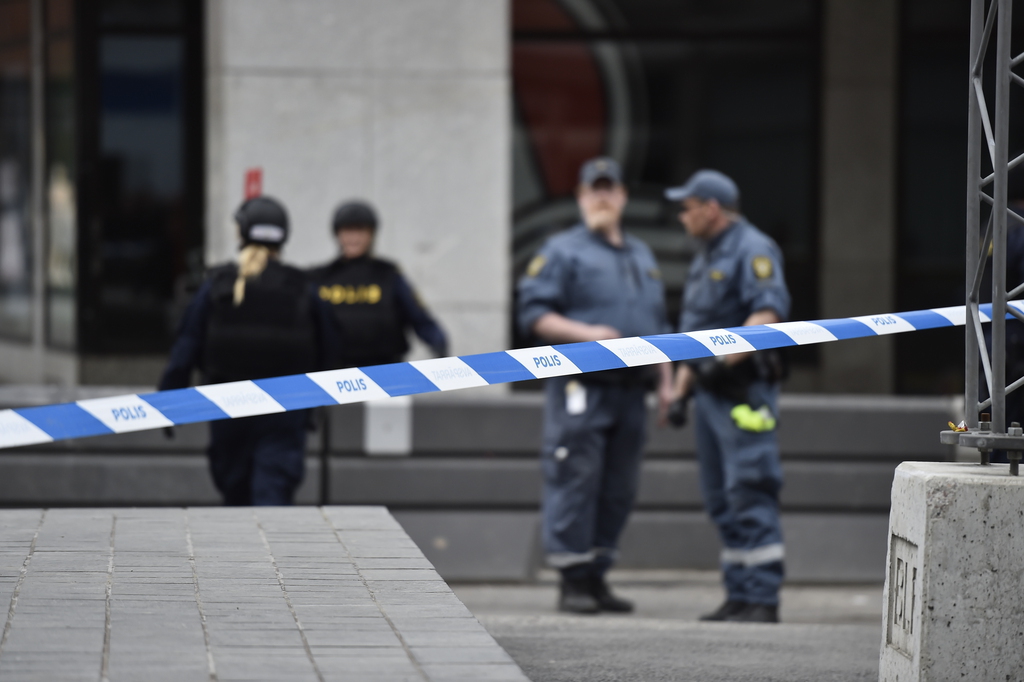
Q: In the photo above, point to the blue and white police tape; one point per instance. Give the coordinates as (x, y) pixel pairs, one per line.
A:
(120, 414)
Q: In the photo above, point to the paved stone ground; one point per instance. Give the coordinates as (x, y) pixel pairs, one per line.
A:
(829, 632)
(342, 593)
(302, 593)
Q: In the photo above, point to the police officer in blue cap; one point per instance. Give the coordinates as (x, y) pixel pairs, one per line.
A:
(249, 320)
(735, 280)
(590, 283)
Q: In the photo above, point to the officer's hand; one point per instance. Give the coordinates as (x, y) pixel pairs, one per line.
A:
(666, 396)
(678, 412)
(602, 332)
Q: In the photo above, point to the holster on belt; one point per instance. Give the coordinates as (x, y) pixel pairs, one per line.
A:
(645, 376)
(732, 381)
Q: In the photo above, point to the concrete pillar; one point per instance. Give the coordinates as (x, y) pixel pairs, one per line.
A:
(953, 601)
(858, 166)
(405, 104)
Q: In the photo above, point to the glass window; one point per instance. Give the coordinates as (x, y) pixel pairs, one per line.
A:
(135, 14)
(140, 177)
(667, 87)
(141, 237)
(61, 265)
(15, 170)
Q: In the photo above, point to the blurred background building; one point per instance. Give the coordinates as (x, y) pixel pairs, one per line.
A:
(127, 128)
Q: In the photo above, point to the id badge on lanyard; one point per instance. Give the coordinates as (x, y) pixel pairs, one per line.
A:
(575, 398)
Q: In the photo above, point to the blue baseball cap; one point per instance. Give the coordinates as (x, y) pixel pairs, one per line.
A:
(706, 185)
(601, 168)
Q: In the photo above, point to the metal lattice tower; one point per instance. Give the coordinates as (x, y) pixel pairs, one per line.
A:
(990, 30)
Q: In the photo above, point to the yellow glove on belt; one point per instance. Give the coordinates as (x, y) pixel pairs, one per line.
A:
(755, 421)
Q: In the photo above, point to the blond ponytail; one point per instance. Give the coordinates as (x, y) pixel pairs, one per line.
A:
(252, 261)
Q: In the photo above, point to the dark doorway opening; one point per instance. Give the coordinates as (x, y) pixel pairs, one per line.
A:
(140, 176)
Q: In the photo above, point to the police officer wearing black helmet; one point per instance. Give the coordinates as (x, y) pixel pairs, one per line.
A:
(373, 304)
(254, 319)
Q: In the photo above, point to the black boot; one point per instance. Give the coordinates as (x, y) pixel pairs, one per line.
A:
(605, 599)
(576, 597)
(756, 613)
(726, 611)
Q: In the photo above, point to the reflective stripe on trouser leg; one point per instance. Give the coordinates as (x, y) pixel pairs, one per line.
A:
(567, 559)
(754, 557)
(604, 559)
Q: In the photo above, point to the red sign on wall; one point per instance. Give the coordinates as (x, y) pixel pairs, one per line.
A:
(253, 182)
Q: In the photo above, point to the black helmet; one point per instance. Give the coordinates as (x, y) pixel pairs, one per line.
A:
(262, 220)
(354, 214)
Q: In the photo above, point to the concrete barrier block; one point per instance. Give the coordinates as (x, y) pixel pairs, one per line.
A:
(954, 571)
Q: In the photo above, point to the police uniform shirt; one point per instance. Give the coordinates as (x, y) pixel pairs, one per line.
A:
(579, 275)
(738, 273)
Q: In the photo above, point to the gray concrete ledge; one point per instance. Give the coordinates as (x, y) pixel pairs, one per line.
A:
(444, 483)
(301, 593)
(818, 427)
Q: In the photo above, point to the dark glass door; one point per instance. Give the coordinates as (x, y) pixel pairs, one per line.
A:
(141, 173)
(15, 170)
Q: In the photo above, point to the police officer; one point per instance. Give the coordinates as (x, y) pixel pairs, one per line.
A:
(254, 319)
(735, 280)
(589, 283)
(374, 305)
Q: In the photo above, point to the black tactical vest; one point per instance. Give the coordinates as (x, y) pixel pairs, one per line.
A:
(272, 333)
(362, 295)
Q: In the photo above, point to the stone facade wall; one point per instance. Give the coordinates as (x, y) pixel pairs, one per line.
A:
(401, 103)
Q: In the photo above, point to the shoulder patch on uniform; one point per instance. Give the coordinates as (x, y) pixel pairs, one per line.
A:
(716, 275)
(536, 265)
(654, 273)
(763, 267)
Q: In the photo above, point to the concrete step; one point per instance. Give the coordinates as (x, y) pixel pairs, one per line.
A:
(48, 479)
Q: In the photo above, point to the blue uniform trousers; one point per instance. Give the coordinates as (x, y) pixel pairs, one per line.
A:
(258, 461)
(740, 476)
(591, 465)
